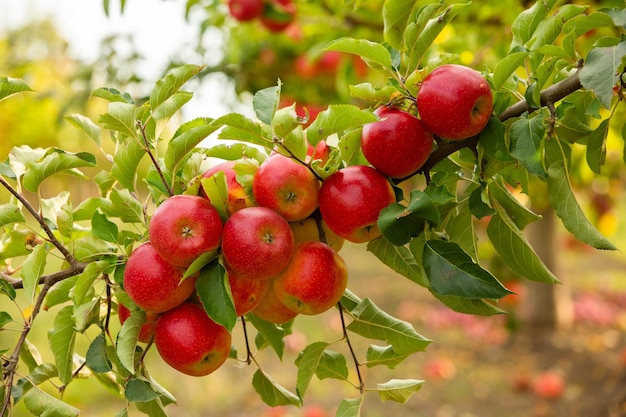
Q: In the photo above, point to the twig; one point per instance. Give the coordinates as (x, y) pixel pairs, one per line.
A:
(245, 336)
(357, 365)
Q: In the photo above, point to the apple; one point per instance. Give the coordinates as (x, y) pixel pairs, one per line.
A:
(147, 329)
(320, 151)
(257, 242)
(351, 200)
(271, 309)
(454, 102)
(398, 144)
(245, 10)
(237, 196)
(184, 227)
(190, 342)
(549, 385)
(330, 61)
(308, 230)
(305, 67)
(287, 187)
(247, 293)
(314, 280)
(154, 284)
(277, 15)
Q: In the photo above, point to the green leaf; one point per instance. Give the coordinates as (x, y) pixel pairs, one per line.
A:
(42, 404)
(519, 213)
(526, 143)
(336, 119)
(152, 408)
(168, 86)
(265, 103)
(460, 227)
(550, 28)
(170, 106)
(515, 250)
(373, 54)
(125, 163)
(270, 333)
(506, 67)
(5, 318)
(54, 161)
(214, 293)
(307, 363)
(451, 271)
(602, 70)
(399, 223)
(125, 206)
(103, 228)
(86, 279)
(37, 376)
(332, 365)
(187, 137)
(372, 322)
(216, 189)
(526, 23)
(112, 95)
(349, 407)
(32, 269)
(596, 146)
(139, 390)
(399, 390)
(235, 151)
(120, 118)
(564, 202)
(473, 306)
(126, 341)
(399, 259)
(271, 392)
(87, 126)
(97, 355)
(10, 86)
(239, 127)
(62, 337)
(9, 214)
(396, 16)
(383, 355)
(372, 93)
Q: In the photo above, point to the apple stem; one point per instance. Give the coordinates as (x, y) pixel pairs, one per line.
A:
(146, 148)
(357, 365)
(248, 359)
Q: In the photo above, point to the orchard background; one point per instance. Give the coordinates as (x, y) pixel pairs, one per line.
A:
(535, 198)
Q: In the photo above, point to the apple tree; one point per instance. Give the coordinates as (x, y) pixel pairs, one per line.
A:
(551, 101)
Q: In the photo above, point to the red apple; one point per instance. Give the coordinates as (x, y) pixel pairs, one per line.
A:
(278, 15)
(257, 242)
(287, 187)
(454, 102)
(306, 68)
(272, 309)
(308, 230)
(237, 196)
(247, 293)
(245, 10)
(184, 227)
(147, 329)
(398, 144)
(153, 283)
(190, 342)
(330, 61)
(320, 151)
(314, 280)
(549, 385)
(351, 200)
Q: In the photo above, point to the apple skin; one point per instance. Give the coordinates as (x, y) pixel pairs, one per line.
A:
(190, 342)
(271, 309)
(153, 283)
(147, 330)
(278, 15)
(257, 243)
(307, 230)
(184, 227)
(398, 144)
(351, 200)
(287, 187)
(454, 102)
(314, 280)
(247, 293)
(237, 196)
(245, 10)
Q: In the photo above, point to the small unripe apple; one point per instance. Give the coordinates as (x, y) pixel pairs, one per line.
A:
(147, 329)
(237, 196)
(245, 10)
(287, 187)
(153, 283)
(184, 227)
(271, 309)
(247, 293)
(314, 280)
(398, 144)
(351, 200)
(454, 102)
(190, 342)
(257, 242)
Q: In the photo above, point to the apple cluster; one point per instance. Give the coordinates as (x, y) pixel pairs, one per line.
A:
(274, 15)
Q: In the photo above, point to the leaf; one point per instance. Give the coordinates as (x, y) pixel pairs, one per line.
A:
(5, 318)
(550, 28)
(564, 202)
(32, 269)
(139, 390)
(506, 67)
(602, 71)
(10, 86)
(332, 365)
(214, 293)
(62, 338)
(103, 228)
(383, 355)
(112, 95)
(86, 279)
(265, 103)
(473, 306)
(307, 363)
(187, 137)
(270, 333)
(399, 390)
(97, 358)
(372, 322)
(349, 407)
(170, 106)
(235, 151)
(87, 126)
(54, 161)
(42, 404)
(526, 143)
(125, 206)
(336, 119)
(584, 23)
(515, 250)
(373, 54)
(9, 214)
(396, 16)
(399, 223)
(37, 376)
(399, 259)
(168, 86)
(519, 214)
(451, 271)
(271, 392)
(125, 163)
(126, 342)
(524, 25)
(152, 408)
(370, 92)
(596, 146)
(120, 118)
(239, 127)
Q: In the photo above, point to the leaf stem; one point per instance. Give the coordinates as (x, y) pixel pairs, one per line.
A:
(249, 355)
(357, 365)
(146, 146)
